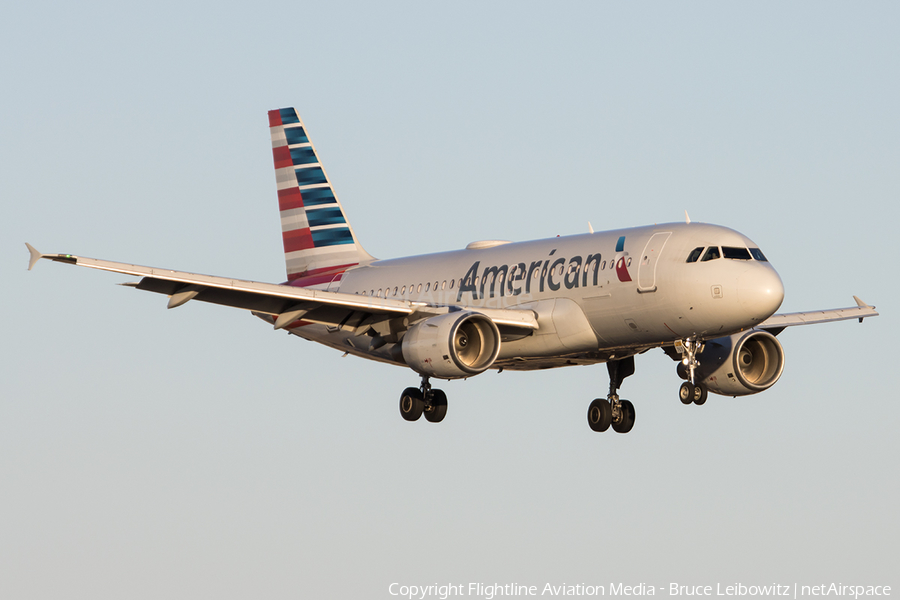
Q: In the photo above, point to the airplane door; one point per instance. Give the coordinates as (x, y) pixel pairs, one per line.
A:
(649, 259)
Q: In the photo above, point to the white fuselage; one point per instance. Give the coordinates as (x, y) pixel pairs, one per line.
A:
(596, 296)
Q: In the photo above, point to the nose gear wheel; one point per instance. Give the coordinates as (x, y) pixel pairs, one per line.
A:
(691, 391)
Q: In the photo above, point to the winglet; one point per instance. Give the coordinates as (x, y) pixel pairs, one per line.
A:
(860, 303)
(35, 256)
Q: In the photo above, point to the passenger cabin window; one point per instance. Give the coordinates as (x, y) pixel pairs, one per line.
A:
(712, 253)
(694, 256)
(758, 255)
(735, 253)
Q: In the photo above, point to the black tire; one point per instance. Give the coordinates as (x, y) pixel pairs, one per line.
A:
(438, 407)
(599, 415)
(627, 421)
(700, 394)
(686, 392)
(411, 404)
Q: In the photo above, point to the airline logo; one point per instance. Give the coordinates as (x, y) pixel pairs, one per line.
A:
(622, 261)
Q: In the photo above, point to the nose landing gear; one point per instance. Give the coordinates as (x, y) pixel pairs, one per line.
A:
(414, 402)
(691, 391)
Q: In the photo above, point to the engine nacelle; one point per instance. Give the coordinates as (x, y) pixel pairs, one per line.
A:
(452, 346)
(739, 365)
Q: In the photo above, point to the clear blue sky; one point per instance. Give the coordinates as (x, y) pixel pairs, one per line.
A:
(147, 453)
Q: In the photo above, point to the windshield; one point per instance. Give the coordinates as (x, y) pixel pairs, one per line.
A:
(758, 255)
(712, 253)
(735, 253)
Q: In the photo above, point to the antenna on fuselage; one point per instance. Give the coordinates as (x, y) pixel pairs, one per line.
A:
(590, 227)
(687, 217)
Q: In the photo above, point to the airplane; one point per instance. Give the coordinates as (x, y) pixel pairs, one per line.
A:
(705, 294)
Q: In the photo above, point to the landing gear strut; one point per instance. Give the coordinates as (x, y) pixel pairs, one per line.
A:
(613, 411)
(414, 402)
(691, 390)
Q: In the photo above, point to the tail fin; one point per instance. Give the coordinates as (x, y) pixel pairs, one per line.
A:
(319, 243)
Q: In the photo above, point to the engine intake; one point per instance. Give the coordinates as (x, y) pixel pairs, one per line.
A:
(742, 364)
(452, 346)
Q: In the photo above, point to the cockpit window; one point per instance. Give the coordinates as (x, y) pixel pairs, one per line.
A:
(758, 255)
(712, 253)
(694, 256)
(736, 253)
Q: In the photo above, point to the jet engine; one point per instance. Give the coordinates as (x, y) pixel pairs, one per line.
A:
(452, 346)
(741, 364)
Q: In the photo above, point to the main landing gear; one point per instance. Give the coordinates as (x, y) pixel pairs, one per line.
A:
(612, 411)
(414, 402)
(691, 390)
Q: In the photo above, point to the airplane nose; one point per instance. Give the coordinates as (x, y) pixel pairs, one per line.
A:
(760, 292)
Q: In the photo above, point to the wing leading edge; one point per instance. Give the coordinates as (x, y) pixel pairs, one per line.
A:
(287, 304)
(777, 323)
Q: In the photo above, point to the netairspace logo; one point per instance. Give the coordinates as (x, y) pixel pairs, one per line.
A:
(490, 591)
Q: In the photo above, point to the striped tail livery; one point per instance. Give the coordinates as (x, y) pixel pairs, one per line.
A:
(319, 244)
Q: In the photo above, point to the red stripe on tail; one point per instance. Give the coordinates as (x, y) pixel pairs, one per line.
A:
(316, 276)
(282, 156)
(289, 198)
(298, 239)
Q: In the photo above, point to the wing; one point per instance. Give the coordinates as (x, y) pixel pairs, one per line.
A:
(777, 323)
(286, 303)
